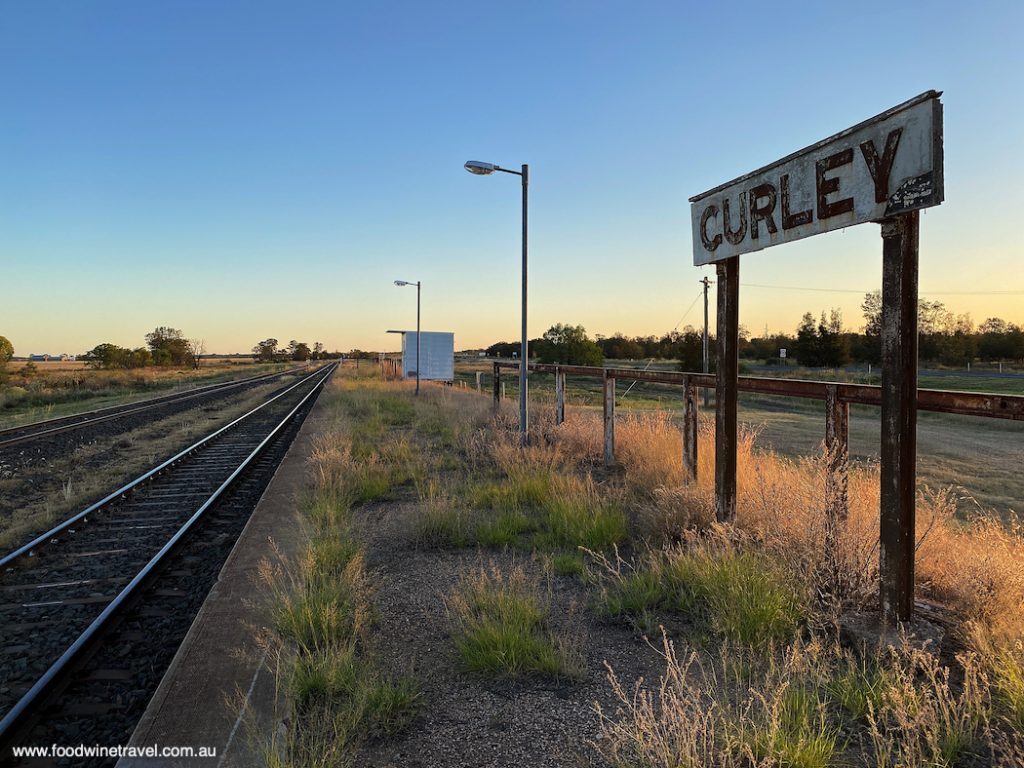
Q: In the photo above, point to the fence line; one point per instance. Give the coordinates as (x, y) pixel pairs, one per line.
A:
(836, 396)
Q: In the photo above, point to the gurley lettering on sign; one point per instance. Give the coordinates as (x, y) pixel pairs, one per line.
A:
(884, 166)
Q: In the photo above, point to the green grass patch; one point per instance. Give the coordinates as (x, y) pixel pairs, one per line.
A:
(370, 482)
(501, 629)
(504, 530)
(795, 732)
(368, 702)
(737, 596)
(523, 491)
(584, 521)
(445, 527)
(1008, 675)
(569, 564)
(858, 688)
(318, 615)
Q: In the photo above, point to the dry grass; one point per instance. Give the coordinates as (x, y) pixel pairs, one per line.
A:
(731, 711)
(765, 592)
(975, 567)
(337, 693)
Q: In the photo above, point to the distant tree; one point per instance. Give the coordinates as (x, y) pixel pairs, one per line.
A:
(298, 350)
(1000, 340)
(503, 349)
(358, 354)
(196, 350)
(805, 349)
(139, 357)
(318, 350)
(872, 309)
(766, 347)
(568, 345)
(109, 356)
(6, 351)
(833, 343)
(168, 345)
(822, 344)
(619, 347)
(265, 351)
(690, 346)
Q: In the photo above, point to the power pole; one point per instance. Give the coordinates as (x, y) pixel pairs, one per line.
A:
(706, 283)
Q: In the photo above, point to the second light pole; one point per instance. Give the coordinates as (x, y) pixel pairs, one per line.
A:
(417, 284)
(485, 169)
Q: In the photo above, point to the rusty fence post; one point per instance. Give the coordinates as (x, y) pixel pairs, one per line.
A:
(497, 386)
(899, 415)
(609, 420)
(479, 386)
(837, 447)
(691, 424)
(559, 396)
(727, 388)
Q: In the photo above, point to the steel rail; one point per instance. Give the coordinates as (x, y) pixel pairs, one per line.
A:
(100, 415)
(61, 527)
(986, 405)
(21, 708)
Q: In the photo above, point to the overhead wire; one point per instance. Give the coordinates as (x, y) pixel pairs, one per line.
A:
(674, 329)
(853, 290)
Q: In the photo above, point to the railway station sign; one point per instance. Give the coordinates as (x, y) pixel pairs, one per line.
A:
(888, 165)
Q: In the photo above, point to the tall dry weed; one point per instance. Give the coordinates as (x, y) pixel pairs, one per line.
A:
(976, 567)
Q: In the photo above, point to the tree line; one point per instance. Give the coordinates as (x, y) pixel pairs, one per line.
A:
(270, 350)
(944, 338)
(823, 342)
(165, 346)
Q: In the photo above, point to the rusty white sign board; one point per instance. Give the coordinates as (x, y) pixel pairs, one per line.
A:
(885, 166)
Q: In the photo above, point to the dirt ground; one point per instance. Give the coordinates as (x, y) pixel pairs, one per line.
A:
(466, 720)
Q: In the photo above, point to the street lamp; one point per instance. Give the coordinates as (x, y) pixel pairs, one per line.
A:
(417, 284)
(485, 169)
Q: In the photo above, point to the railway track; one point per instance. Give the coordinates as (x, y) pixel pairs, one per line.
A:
(61, 593)
(25, 433)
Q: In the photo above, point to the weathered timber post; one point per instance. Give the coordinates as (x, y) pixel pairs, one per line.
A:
(837, 447)
(559, 396)
(691, 424)
(609, 420)
(479, 386)
(497, 386)
(727, 388)
(899, 415)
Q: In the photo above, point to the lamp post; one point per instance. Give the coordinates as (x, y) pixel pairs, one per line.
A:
(417, 284)
(485, 169)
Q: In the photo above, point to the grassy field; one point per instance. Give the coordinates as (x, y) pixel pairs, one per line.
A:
(59, 388)
(981, 458)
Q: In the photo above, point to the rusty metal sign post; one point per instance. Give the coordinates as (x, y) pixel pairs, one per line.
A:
(883, 170)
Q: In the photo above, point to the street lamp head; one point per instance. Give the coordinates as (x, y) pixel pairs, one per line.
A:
(402, 282)
(480, 169)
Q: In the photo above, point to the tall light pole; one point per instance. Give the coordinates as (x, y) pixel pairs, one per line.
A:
(417, 284)
(485, 169)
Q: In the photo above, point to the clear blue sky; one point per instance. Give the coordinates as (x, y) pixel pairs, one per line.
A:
(249, 169)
